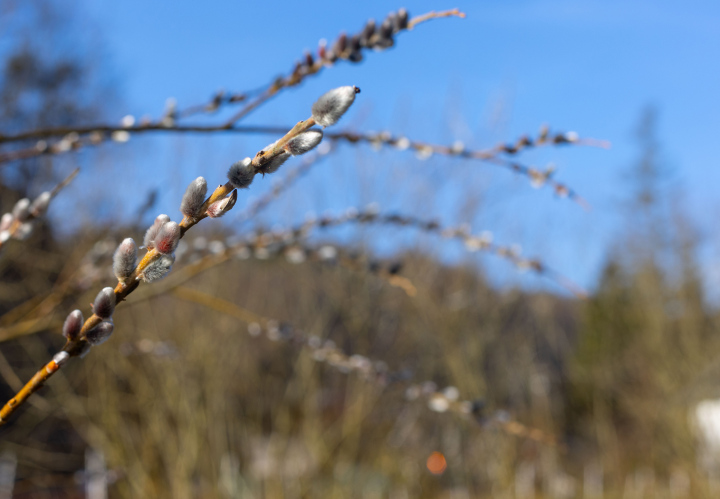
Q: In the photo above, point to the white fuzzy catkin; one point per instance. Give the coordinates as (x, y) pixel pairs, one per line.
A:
(158, 269)
(304, 142)
(194, 198)
(40, 205)
(125, 259)
(24, 230)
(241, 173)
(167, 238)
(73, 324)
(274, 164)
(149, 240)
(328, 109)
(6, 221)
(104, 305)
(100, 333)
(21, 210)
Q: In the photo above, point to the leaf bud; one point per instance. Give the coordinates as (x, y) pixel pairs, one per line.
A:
(219, 208)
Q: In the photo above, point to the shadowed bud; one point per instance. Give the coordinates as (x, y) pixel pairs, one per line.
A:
(367, 33)
(24, 230)
(40, 205)
(219, 208)
(401, 21)
(167, 238)
(241, 173)
(274, 164)
(304, 142)
(194, 198)
(104, 305)
(21, 210)
(100, 333)
(125, 259)
(151, 234)
(355, 49)
(6, 221)
(73, 325)
(340, 44)
(385, 34)
(328, 109)
(158, 269)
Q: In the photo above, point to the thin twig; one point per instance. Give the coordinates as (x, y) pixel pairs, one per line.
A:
(24, 225)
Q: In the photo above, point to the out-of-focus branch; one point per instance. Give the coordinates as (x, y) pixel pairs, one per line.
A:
(18, 224)
(437, 400)
(494, 155)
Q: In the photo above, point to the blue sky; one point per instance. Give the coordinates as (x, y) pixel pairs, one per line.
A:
(589, 66)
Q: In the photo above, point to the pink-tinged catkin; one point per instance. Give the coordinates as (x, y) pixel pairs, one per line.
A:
(304, 142)
(100, 333)
(328, 109)
(194, 198)
(219, 208)
(73, 325)
(167, 238)
(241, 174)
(158, 268)
(40, 205)
(151, 233)
(125, 259)
(104, 305)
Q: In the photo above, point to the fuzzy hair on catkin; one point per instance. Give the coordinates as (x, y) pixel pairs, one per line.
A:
(40, 205)
(328, 109)
(167, 238)
(100, 333)
(194, 198)
(104, 304)
(149, 240)
(21, 210)
(73, 324)
(158, 269)
(275, 163)
(125, 259)
(241, 173)
(304, 142)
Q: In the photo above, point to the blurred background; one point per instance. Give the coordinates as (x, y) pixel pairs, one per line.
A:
(447, 351)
